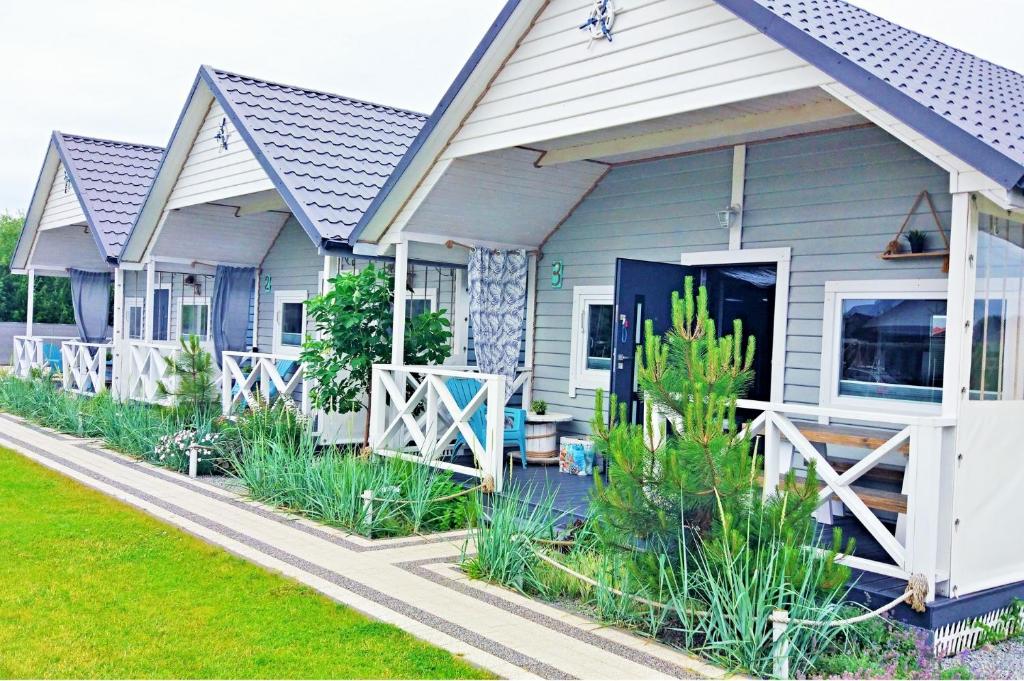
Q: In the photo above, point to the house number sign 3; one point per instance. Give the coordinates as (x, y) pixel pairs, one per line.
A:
(557, 273)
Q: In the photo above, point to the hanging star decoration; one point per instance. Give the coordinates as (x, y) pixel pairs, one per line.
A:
(600, 20)
(223, 134)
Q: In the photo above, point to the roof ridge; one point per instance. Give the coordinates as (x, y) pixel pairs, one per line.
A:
(353, 100)
(103, 140)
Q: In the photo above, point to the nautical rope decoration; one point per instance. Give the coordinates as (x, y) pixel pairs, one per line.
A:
(223, 133)
(599, 22)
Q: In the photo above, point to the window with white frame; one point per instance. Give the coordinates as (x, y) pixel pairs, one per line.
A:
(884, 342)
(590, 361)
(420, 301)
(289, 322)
(194, 318)
(134, 318)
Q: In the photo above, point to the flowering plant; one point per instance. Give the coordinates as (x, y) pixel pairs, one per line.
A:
(175, 450)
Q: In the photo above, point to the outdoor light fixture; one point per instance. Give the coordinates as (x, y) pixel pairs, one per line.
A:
(725, 216)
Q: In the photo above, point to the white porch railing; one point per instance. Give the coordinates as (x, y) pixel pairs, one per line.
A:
(914, 548)
(146, 368)
(86, 365)
(414, 416)
(252, 376)
(29, 352)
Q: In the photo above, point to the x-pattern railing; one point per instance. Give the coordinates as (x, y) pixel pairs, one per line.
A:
(147, 368)
(29, 352)
(916, 551)
(415, 416)
(86, 366)
(250, 378)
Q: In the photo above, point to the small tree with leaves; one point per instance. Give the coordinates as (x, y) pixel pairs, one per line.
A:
(354, 323)
(193, 389)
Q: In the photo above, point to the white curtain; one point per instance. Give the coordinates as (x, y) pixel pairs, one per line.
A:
(497, 307)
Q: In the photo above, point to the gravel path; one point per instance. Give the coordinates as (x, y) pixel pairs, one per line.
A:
(1001, 661)
(225, 482)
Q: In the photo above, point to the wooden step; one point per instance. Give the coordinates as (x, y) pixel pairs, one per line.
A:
(875, 499)
(849, 436)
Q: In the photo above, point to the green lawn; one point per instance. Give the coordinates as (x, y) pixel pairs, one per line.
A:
(92, 588)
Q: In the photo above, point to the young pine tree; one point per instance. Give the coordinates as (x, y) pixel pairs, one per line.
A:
(702, 479)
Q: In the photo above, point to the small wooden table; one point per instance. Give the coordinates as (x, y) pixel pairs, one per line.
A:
(542, 436)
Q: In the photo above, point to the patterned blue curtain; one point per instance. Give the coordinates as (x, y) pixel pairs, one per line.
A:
(497, 306)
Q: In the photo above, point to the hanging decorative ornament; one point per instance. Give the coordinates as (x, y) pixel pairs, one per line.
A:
(222, 134)
(600, 21)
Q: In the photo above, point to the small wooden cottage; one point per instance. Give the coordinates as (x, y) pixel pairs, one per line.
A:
(85, 201)
(850, 189)
(247, 218)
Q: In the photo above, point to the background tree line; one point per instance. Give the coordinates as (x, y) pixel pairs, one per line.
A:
(53, 294)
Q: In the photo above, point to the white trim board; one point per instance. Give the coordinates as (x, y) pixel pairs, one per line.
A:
(835, 293)
(781, 257)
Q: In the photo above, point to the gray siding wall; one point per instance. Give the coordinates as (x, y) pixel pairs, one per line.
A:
(292, 263)
(648, 211)
(836, 199)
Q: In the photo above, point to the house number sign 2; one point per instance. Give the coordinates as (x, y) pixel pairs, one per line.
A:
(266, 283)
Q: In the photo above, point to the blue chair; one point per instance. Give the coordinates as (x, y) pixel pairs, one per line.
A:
(463, 390)
(52, 357)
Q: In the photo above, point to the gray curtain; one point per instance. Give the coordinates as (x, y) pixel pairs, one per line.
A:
(497, 307)
(232, 293)
(90, 300)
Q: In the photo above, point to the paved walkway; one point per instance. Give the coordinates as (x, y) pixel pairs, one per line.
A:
(412, 583)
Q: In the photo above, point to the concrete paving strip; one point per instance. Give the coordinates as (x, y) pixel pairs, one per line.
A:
(407, 582)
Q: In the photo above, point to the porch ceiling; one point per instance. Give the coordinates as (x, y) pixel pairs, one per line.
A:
(516, 197)
(501, 197)
(239, 230)
(63, 247)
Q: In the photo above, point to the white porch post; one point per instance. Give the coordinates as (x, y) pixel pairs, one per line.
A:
(150, 312)
(118, 337)
(256, 308)
(398, 316)
(531, 332)
(30, 303)
(956, 369)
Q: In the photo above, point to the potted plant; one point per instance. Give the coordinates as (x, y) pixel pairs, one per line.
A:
(539, 407)
(916, 238)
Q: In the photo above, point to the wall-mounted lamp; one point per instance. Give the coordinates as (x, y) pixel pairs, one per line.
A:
(725, 217)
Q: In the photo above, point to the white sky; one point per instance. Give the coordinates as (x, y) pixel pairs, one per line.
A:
(122, 69)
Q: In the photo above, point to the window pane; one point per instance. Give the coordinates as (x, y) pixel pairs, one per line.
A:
(599, 337)
(414, 307)
(997, 353)
(194, 320)
(893, 349)
(135, 322)
(291, 324)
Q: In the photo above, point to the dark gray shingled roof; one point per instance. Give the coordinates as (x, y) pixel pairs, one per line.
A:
(964, 103)
(332, 154)
(111, 180)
